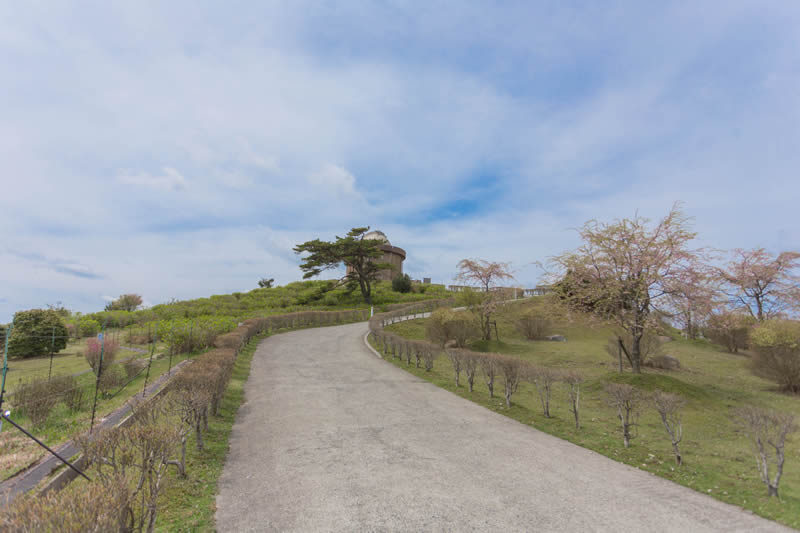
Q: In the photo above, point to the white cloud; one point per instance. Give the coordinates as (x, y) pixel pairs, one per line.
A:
(333, 178)
(169, 179)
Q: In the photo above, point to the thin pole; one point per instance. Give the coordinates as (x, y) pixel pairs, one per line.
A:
(150, 362)
(52, 350)
(99, 373)
(45, 446)
(619, 353)
(171, 344)
(5, 367)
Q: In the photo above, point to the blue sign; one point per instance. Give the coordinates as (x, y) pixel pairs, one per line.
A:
(99, 336)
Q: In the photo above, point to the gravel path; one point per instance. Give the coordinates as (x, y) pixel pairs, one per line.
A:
(331, 438)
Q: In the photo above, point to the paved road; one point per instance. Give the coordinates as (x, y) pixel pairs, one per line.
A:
(331, 438)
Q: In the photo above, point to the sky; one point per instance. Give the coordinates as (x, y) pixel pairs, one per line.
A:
(181, 149)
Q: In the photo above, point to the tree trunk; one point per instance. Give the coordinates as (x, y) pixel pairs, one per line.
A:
(636, 353)
(678, 458)
(772, 491)
(199, 434)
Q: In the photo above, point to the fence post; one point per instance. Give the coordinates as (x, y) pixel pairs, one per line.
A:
(150, 362)
(52, 350)
(99, 373)
(5, 369)
(171, 344)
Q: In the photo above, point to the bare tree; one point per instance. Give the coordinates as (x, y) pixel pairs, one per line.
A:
(625, 399)
(469, 362)
(489, 369)
(573, 380)
(669, 407)
(455, 356)
(512, 370)
(544, 378)
(768, 429)
(485, 275)
(533, 324)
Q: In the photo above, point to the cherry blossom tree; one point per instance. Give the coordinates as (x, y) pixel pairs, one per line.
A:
(485, 275)
(764, 285)
(629, 269)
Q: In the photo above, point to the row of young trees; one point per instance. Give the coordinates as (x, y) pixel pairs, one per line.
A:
(448, 331)
(129, 464)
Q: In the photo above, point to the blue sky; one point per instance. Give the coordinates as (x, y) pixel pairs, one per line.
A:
(180, 149)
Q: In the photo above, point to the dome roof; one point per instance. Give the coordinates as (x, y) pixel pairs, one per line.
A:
(377, 236)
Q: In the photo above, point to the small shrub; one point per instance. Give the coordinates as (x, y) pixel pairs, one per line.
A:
(94, 348)
(133, 366)
(668, 407)
(91, 507)
(533, 325)
(730, 329)
(35, 400)
(401, 283)
(544, 378)
(111, 378)
(625, 399)
(573, 380)
(776, 344)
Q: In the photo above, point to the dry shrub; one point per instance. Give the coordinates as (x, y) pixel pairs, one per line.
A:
(447, 325)
(94, 348)
(573, 380)
(488, 366)
(139, 454)
(133, 366)
(35, 399)
(768, 431)
(544, 378)
(86, 507)
(428, 356)
(111, 378)
(625, 399)
(669, 408)
(469, 363)
(533, 325)
(512, 370)
(455, 356)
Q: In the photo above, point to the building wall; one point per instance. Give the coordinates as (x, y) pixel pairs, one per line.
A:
(395, 257)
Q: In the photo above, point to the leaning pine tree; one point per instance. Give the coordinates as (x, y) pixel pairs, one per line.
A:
(359, 254)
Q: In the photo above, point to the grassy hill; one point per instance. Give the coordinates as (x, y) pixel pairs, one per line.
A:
(718, 459)
(297, 296)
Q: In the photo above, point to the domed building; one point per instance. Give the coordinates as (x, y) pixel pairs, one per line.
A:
(391, 254)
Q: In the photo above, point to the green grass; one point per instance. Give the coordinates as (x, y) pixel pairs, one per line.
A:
(17, 451)
(718, 459)
(68, 361)
(189, 504)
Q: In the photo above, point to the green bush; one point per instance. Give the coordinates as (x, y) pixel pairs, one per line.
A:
(88, 327)
(33, 333)
(776, 344)
(401, 284)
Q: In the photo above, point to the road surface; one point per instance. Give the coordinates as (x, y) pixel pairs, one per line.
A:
(332, 438)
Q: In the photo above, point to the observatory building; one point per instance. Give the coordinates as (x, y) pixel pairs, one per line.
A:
(391, 254)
